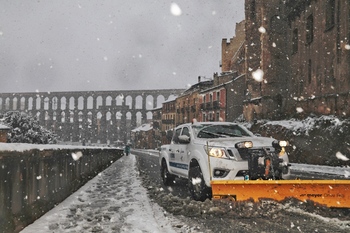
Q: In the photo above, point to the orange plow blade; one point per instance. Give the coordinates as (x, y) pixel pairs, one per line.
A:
(332, 193)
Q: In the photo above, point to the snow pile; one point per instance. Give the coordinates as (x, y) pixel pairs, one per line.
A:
(310, 123)
(322, 140)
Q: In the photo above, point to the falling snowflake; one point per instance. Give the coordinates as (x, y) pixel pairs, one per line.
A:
(341, 156)
(175, 9)
(196, 181)
(77, 155)
(262, 29)
(299, 109)
(258, 75)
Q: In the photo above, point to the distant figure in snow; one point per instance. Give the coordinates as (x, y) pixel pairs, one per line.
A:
(127, 149)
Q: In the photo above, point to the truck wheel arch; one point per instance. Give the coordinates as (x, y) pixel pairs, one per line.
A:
(199, 191)
(168, 179)
(194, 162)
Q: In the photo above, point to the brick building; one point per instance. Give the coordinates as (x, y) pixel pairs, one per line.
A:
(266, 54)
(3, 132)
(187, 104)
(302, 49)
(319, 36)
(142, 137)
(224, 100)
(233, 51)
(168, 119)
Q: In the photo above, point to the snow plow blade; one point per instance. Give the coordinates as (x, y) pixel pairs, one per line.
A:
(331, 193)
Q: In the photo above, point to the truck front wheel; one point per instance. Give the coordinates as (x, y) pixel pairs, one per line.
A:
(196, 184)
(167, 178)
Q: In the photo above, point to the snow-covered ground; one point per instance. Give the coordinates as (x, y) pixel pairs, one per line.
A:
(114, 201)
(339, 171)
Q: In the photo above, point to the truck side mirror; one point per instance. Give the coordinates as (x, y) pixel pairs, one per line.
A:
(184, 139)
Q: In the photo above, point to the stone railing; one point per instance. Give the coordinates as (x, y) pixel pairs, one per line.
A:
(34, 178)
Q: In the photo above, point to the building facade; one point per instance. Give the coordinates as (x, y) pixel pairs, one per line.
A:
(319, 37)
(224, 100)
(233, 51)
(302, 50)
(187, 104)
(3, 132)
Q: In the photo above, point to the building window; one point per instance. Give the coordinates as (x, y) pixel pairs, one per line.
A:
(338, 34)
(301, 87)
(210, 98)
(309, 29)
(330, 10)
(252, 9)
(218, 96)
(217, 116)
(204, 118)
(309, 69)
(204, 99)
(295, 41)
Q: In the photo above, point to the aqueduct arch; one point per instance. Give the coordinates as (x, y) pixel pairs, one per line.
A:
(88, 115)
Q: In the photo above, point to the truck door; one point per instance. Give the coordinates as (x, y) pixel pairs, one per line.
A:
(183, 155)
(174, 159)
(177, 158)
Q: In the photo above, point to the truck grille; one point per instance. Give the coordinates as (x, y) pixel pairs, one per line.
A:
(245, 153)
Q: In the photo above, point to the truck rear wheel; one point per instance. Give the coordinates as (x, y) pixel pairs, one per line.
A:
(167, 178)
(196, 184)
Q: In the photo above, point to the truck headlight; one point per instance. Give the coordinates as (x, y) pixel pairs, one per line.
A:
(242, 145)
(283, 143)
(216, 152)
(280, 146)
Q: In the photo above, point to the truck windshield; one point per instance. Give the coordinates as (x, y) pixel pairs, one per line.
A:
(218, 131)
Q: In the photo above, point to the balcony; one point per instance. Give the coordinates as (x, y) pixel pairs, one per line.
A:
(216, 105)
(168, 122)
(209, 106)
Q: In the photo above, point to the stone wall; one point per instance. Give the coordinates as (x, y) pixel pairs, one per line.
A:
(34, 179)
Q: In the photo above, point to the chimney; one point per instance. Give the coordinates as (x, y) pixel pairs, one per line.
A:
(199, 79)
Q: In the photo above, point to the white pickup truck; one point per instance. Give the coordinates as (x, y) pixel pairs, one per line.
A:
(205, 151)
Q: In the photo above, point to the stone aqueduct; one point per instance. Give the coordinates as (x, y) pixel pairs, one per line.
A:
(88, 116)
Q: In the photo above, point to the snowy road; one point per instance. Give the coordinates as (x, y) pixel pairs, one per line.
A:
(114, 201)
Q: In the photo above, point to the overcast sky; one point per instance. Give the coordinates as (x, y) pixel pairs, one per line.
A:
(93, 45)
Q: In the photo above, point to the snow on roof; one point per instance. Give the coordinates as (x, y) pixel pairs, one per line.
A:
(171, 98)
(144, 127)
(2, 126)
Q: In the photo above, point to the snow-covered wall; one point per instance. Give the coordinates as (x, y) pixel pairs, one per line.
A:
(34, 178)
